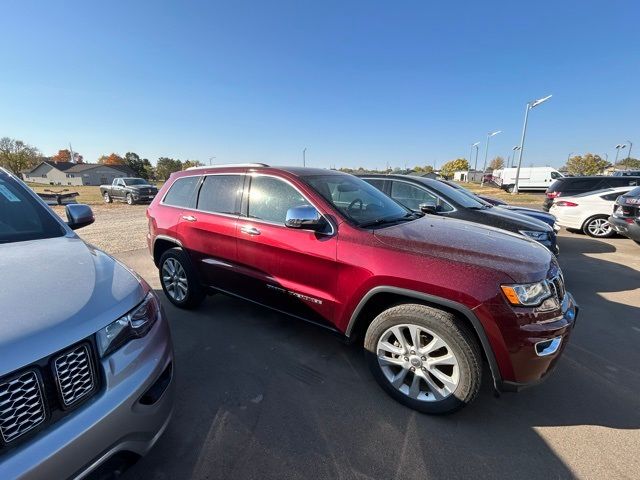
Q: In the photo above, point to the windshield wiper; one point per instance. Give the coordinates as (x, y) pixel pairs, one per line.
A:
(381, 221)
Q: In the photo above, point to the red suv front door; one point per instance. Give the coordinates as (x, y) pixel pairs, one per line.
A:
(291, 270)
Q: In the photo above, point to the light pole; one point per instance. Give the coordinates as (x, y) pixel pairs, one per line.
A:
(486, 153)
(529, 106)
(569, 156)
(475, 166)
(210, 160)
(628, 141)
(619, 147)
(513, 159)
(304, 157)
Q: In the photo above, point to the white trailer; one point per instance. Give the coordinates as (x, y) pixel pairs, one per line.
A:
(531, 178)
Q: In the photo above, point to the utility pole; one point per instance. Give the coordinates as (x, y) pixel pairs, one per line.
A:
(304, 157)
(486, 153)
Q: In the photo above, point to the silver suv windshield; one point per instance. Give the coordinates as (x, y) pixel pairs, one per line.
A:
(22, 217)
(359, 201)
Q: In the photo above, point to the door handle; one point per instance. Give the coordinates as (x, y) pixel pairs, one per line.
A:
(189, 218)
(250, 230)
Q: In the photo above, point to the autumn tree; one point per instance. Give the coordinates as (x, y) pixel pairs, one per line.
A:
(15, 155)
(166, 166)
(629, 163)
(64, 155)
(425, 169)
(497, 163)
(111, 159)
(587, 164)
(452, 166)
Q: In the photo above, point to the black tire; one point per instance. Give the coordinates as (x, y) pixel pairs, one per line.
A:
(195, 293)
(458, 339)
(590, 227)
(129, 199)
(107, 198)
(510, 188)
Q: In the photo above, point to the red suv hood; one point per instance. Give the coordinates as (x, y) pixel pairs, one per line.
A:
(518, 257)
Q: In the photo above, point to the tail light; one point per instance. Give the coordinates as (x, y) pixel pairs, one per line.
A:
(564, 203)
(552, 194)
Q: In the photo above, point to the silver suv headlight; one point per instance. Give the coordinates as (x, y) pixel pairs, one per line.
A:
(537, 236)
(134, 324)
(528, 294)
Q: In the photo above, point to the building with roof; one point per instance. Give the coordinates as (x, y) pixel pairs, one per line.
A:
(69, 173)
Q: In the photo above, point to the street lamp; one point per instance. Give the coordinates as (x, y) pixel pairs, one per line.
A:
(628, 141)
(475, 166)
(619, 147)
(486, 153)
(304, 157)
(515, 149)
(529, 106)
(569, 156)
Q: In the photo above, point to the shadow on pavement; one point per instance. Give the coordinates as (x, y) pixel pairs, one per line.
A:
(260, 395)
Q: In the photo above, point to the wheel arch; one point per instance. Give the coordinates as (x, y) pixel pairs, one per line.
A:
(380, 298)
(161, 244)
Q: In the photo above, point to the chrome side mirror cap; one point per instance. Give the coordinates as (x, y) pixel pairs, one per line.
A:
(305, 217)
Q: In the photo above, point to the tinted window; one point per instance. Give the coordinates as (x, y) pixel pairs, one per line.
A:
(455, 195)
(22, 217)
(634, 193)
(611, 196)
(221, 194)
(135, 181)
(582, 184)
(376, 182)
(555, 175)
(182, 192)
(355, 198)
(622, 181)
(411, 196)
(270, 198)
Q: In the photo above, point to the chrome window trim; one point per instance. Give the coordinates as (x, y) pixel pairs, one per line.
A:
(245, 189)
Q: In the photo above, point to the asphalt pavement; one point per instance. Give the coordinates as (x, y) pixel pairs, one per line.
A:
(263, 396)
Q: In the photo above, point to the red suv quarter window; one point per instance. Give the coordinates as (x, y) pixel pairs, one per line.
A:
(182, 193)
(270, 198)
(221, 194)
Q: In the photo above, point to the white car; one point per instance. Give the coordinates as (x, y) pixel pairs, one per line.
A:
(588, 211)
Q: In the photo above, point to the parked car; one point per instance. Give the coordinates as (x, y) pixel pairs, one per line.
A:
(588, 211)
(130, 190)
(531, 178)
(428, 296)
(626, 173)
(86, 359)
(626, 215)
(574, 185)
(434, 197)
(545, 217)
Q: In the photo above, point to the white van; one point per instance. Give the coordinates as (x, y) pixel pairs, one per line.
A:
(531, 178)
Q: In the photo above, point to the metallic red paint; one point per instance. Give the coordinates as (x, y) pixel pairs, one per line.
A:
(323, 278)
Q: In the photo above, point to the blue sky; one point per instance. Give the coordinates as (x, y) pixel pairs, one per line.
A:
(356, 82)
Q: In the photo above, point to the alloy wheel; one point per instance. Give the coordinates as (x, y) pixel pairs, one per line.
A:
(599, 227)
(418, 362)
(174, 279)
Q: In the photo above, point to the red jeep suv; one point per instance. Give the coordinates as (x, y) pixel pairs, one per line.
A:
(432, 299)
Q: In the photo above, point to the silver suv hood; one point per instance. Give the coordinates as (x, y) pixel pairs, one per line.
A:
(55, 292)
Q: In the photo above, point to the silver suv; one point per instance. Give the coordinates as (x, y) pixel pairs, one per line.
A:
(86, 360)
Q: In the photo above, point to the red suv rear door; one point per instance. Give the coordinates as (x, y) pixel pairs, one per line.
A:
(289, 269)
(209, 230)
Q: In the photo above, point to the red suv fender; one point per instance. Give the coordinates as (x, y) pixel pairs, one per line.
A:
(448, 305)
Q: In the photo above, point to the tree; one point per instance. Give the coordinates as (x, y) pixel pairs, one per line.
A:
(166, 166)
(425, 169)
(587, 164)
(452, 166)
(497, 163)
(64, 155)
(15, 155)
(135, 163)
(111, 159)
(191, 163)
(629, 163)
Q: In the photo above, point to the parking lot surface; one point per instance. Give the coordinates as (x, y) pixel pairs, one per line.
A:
(263, 396)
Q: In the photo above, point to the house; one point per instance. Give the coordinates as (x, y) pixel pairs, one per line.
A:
(68, 173)
(467, 176)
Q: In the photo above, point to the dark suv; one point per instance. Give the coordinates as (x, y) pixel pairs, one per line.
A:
(568, 186)
(626, 215)
(429, 297)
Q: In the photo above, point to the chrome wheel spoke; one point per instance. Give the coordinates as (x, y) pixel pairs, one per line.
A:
(449, 384)
(393, 349)
(414, 389)
(415, 337)
(398, 379)
(435, 344)
(447, 359)
(391, 361)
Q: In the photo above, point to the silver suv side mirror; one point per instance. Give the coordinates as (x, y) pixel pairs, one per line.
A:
(79, 215)
(305, 217)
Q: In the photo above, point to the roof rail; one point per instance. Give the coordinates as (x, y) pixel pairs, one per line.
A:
(225, 165)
